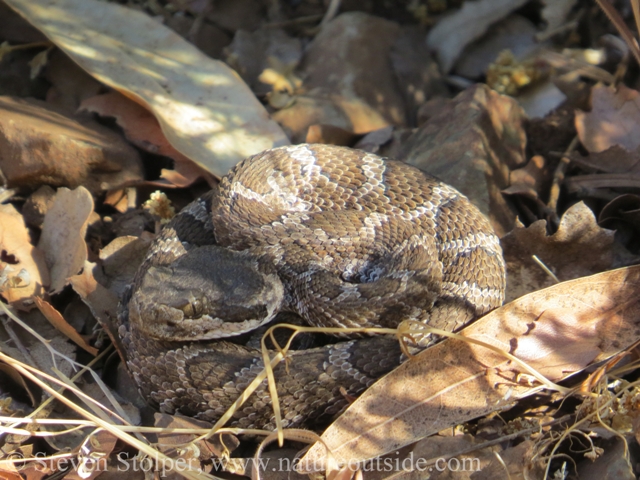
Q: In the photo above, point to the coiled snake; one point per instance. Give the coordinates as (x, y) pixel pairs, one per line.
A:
(341, 237)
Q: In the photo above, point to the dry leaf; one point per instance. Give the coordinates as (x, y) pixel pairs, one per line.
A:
(143, 130)
(586, 183)
(555, 12)
(614, 119)
(453, 33)
(63, 231)
(557, 331)
(58, 321)
(41, 145)
(38, 353)
(622, 169)
(529, 179)
(205, 109)
(347, 79)
(103, 303)
(330, 135)
(580, 247)
(614, 159)
(15, 245)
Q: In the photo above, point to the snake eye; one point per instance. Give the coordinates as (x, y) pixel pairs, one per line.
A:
(197, 307)
(192, 307)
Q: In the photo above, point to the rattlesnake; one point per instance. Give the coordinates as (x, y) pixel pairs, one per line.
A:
(341, 237)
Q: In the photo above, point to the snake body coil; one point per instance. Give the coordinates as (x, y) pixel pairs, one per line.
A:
(342, 238)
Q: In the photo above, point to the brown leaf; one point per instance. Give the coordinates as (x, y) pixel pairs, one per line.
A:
(614, 159)
(58, 321)
(63, 231)
(143, 130)
(86, 461)
(614, 119)
(612, 463)
(529, 179)
(580, 247)
(348, 82)
(35, 352)
(16, 244)
(331, 135)
(39, 144)
(557, 331)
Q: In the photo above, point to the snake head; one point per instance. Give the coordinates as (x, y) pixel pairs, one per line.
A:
(210, 292)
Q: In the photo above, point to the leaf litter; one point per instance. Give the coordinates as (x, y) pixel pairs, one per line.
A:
(516, 391)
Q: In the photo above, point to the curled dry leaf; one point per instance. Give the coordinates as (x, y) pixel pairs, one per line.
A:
(63, 231)
(614, 119)
(557, 331)
(58, 321)
(579, 248)
(205, 110)
(16, 245)
(528, 180)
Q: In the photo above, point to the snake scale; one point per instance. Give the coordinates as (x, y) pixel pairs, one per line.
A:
(340, 237)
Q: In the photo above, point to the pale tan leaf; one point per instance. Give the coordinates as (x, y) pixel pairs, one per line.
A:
(557, 331)
(63, 231)
(15, 242)
(205, 110)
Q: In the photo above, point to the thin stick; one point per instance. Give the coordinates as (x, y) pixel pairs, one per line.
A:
(334, 6)
(546, 269)
(622, 28)
(558, 178)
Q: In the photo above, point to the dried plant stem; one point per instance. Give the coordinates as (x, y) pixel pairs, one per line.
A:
(622, 28)
(334, 6)
(43, 340)
(117, 432)
(546, 269)
(558, 178)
